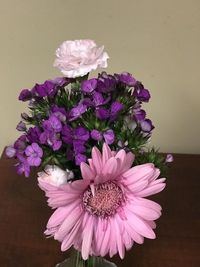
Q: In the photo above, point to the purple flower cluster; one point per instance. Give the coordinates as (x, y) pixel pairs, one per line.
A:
(70, 116)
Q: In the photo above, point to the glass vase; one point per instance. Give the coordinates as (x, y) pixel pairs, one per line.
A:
(75, 260)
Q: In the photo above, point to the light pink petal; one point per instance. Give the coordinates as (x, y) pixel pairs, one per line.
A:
(144, 212)
(128, 242)
(155, 175)
(106, 154)
(58, 217)
(128, 162)
(68, 223)
(139, 225)
(138, 186)
(98, 234)
(147, 203)
(91, 165)
(87, 238)
(139, 239)
(86, 172)
(152, 224)
(140, 172)
(120, 245)
(151, 190)
(97, 160)
(113, 241)
(110, 169)
(73, 235)
(105, 244)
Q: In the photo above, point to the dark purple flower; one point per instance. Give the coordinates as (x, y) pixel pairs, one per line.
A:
(21, 143)
(61, 81)
(96, 135)
(52, 139)
(67, 134)
(146, 126)
(116, 107)
(98, 99)
(141, 93)
(52, 124)
(81, 133)
(48, 88)
(25, 95)
(23, 168)
(80, 158)
(10, 151)
(77, 111)
(89, 86)
(109, 137)
(78, 146)
(33, 134)
(21, 126)
(34, 154)
(126, 78)
(106, 83)
(102, 113)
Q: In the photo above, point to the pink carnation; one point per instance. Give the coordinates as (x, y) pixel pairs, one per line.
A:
(106, 212)
(79, 57)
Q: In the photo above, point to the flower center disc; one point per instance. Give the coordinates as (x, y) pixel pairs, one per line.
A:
(105, 199)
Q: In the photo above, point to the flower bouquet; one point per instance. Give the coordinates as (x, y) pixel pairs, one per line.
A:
(89, 135)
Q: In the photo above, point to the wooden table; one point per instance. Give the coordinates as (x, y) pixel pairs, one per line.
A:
(24, 213)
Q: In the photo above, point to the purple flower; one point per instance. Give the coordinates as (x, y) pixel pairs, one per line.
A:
(48, 88)
(78, 146)
(20, 143)
(116, 107)
(77, 111)
(146, 126)
(10, 151)
(52, 139)
(81, 133)
(80, 158)
(102, 113)
(67, 134)
(34, 154)
(23, 167)
(141, 93)
(25, 95)
(96, 135)
(126, 78)
(109, 137)
(98, 99)
(169, 158)
(61, 81)
(33, 134)
(52, 124)
(139, 114)
(89, 86)
(106, 83)
(21, 126)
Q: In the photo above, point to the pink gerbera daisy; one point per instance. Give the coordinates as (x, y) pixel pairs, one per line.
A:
(105, 212)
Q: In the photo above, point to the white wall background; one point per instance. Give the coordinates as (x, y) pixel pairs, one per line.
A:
(158, 41)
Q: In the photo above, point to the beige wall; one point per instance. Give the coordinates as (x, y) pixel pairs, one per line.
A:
(158, 41)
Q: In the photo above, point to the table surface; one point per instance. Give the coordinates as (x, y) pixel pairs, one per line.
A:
(24, 213)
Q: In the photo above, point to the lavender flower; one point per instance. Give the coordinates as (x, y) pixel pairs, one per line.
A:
(106, 83)
(169, 158)
(34, 154)
(146, 126)
(21, 126)
(102, 113)
(77, 111)
(139, 114)
(10, 151)
(109, 137)
(52, 124)
(96, 135)
(33, 134)
(23, 168)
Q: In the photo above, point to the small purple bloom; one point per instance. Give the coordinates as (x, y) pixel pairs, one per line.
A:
(96, 135)
(116, 107)
(23, 167)
(78, 146)
(106, 83)
(98, 99)
(139, 114)
(169, 158)
(109, 137)
(81, 133)
(34, 154)
(25, 95)
(67, 134)
(10, 151)
(89, 86)
(126, 78)
(33, 134)
(52, 124)
(61, 81)
(77, 111)
(21, 126)
(102, 113)
(146, 126)
(20, 143)
(48, 88)
(141, 93)
(80, 158)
